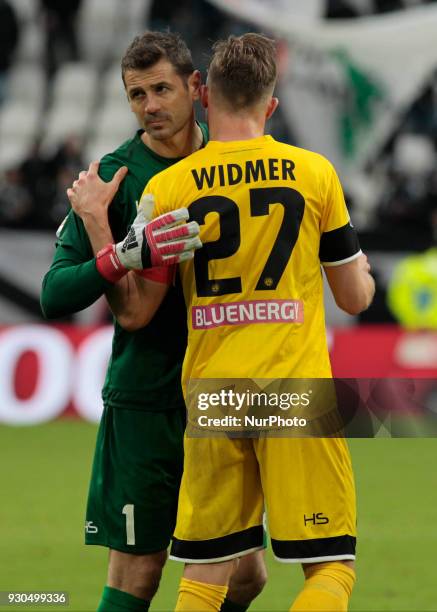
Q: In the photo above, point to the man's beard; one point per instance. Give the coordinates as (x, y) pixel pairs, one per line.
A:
(148, 120)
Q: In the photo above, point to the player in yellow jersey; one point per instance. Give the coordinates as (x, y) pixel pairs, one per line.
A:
(269, 215)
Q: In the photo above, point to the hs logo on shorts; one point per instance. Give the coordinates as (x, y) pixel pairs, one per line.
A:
(316, 518)
(90, 527)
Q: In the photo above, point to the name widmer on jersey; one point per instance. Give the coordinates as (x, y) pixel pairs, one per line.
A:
(251, 171)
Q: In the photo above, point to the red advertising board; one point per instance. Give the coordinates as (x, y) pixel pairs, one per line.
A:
(47, 371)
(383, 351)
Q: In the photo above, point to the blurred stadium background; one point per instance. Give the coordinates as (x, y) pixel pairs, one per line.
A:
(358, 84)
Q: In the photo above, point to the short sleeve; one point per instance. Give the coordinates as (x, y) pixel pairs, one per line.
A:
(339, 242)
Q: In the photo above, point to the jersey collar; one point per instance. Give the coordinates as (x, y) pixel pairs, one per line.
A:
(251, 143)
(169, 160)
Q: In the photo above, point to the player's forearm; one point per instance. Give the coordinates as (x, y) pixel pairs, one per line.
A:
(123, 299)
(365, 286)
(368, 290)
(136, 305)
(69, 289)
(122, 295)
(99, 232)
(357, 297)
(352, 285)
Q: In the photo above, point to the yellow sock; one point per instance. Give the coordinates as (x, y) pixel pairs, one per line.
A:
(200, 596)
(327, 588)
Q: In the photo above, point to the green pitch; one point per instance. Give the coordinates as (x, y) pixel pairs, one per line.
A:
(44, 479)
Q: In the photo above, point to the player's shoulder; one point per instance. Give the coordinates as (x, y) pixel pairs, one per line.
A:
(178, 169)
(312, 158)
(121, 156)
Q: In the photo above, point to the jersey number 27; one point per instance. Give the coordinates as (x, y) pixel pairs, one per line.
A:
(230, 237)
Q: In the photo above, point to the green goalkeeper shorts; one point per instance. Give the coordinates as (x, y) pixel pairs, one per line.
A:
(133, 494)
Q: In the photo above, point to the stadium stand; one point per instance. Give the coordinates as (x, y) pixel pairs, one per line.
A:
(85, 100)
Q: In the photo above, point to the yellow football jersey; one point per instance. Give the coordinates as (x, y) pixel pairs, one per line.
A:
(269, 213)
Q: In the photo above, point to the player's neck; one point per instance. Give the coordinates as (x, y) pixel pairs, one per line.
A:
(185, 142)
(227, 127)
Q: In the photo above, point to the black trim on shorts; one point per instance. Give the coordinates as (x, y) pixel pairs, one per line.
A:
(219, 547)
(319, 547)
(338, 244)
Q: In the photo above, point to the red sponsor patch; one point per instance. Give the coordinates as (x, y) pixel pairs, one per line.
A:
(247, 312)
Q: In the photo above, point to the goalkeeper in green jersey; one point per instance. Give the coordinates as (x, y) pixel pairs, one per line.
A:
(138, 459)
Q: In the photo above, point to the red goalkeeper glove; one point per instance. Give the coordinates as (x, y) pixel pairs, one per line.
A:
(164, 241)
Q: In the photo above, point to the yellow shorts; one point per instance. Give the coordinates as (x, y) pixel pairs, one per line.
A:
(305, 485)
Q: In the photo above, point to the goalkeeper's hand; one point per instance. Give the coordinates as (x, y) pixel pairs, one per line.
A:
(163, 241)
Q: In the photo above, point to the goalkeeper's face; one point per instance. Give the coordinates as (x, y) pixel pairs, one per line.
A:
(161, 99)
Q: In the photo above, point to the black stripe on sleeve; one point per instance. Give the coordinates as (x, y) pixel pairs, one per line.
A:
(339, 245)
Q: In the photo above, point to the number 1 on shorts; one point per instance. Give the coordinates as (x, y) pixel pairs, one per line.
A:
(128, 510)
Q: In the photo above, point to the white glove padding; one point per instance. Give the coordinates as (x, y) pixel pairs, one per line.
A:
(163, 241)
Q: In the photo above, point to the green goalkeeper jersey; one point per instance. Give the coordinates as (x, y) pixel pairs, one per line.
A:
(145, 366)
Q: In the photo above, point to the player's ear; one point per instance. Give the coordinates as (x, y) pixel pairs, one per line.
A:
(204, 96)
(272, 106)
(194, 84)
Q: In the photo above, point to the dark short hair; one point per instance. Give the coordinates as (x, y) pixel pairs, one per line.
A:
(148, 48)
(243, 69)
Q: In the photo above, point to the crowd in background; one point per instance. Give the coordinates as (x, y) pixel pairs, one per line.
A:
(32, 192)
